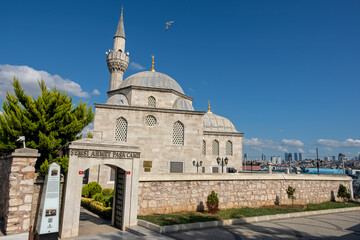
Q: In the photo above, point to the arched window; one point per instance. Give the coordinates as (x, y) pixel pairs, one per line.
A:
(203, 147)
(178, 133)
(215, 148)
(151, 101)
(121, 130)
(229, 148)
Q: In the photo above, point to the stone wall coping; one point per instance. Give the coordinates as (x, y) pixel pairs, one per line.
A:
(23, 152)
(149, 109)
(237, 176)
(199, 225)
(100, 144)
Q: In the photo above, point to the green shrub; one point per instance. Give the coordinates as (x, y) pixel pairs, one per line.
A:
(91, 189)
(108, 192)
(63, 162)
(107, 201)
(343, 193)
(98, 197)
(44, 168)
(212, 203)
(96, 207)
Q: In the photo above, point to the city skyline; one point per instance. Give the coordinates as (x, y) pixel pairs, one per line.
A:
(245, 57)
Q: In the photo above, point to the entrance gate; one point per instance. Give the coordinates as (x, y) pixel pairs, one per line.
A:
(85, 153)
(119, 198)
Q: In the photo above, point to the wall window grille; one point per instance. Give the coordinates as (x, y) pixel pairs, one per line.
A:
(229, 148)
(121, 130)
(215, 169)
(178, 133)
(150, 121)
(151, 101)
(112, 174)
(215, 148)
(203, 147)
(176, 167)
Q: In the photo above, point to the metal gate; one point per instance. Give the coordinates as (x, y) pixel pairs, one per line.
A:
(119, 198)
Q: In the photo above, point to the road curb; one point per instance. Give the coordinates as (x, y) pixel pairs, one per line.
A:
(228, 222)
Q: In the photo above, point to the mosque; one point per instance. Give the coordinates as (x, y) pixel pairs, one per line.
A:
(150, 109)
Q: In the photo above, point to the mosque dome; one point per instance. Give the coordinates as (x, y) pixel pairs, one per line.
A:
(215, 123)
(151, 79)
(182, 104)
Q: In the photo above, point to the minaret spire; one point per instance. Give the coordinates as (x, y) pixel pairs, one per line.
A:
(120, 31)
(117, 59)
(209, 108)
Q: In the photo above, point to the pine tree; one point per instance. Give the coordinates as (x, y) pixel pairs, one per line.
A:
(48, 121)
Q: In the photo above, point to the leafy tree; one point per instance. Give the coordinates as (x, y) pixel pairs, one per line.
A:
(48, 121)
(212, 202)
(290, 192)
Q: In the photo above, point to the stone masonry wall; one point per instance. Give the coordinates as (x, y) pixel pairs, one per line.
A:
(190, 195)
(17, 187)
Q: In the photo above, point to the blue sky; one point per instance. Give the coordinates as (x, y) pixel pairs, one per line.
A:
(286, 73)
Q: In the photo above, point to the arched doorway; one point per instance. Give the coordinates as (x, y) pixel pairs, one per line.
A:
(85, 153)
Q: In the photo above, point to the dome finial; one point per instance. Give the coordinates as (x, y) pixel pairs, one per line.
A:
(209, 109)
(152, 64)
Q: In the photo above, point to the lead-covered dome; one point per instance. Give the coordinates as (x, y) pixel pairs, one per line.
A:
(215, 123)
(151, 79)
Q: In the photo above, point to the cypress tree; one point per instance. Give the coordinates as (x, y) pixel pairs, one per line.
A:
(48, 121)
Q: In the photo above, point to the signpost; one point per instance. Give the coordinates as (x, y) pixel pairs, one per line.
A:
(48, 226)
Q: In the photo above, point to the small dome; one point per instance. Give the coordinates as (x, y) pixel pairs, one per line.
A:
(117, 99)
(182, 104)
(151, 79)
(215, 123)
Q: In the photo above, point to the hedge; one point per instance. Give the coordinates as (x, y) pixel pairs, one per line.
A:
(96, 207)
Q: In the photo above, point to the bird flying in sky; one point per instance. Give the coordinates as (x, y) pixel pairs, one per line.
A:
(168, 24)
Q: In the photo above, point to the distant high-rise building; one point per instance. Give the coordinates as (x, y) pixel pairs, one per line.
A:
(273, 160)
(286, 157)
(295, 157)
(263, 157)
(326, 158)
(333, 158)
(279, 160)
(300, 156)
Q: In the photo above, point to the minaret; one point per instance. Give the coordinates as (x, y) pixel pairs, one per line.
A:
(117, 60)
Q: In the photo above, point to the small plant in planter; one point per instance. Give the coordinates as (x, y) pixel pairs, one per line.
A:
(343, 193)
(290, 192)
(212, 203)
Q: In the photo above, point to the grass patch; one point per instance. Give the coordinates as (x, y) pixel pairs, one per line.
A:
(192, 217)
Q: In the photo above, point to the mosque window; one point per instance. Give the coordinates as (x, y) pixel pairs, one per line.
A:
(178, 133)
(151, 101)
(203, 147)
(215, 148)
(176, 167)
(150, 121)
(229, 148)
(121, 130)
(215, 169)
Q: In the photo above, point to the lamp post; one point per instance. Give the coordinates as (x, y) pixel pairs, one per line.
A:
(289, 156)
(197, 164)
(245, 159)
(223, 161)
(341, 156)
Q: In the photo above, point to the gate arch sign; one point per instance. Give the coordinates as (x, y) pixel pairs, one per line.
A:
(88, 152)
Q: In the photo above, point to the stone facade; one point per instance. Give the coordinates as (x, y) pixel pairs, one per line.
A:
(17, 189)
(188, 192)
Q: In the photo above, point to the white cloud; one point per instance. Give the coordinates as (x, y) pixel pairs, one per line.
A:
(292, 143)
(29, 78)
(328, 149)
(87, 129)
(259, 144)
(334, 143)
(96, 92)
(136, 66)
(300, 150)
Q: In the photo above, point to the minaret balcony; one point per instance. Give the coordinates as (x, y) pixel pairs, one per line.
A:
(113, 56)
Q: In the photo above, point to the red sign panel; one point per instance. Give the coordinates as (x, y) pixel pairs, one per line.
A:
(128, 172)
(81, 172)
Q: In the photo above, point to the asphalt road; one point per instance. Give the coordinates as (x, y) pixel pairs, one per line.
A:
(344, 225)
(330, 226)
